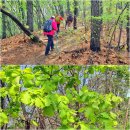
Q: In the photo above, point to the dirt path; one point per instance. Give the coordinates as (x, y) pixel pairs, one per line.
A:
(20, 50)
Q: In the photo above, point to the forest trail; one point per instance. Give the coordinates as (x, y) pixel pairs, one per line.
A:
(72, 49)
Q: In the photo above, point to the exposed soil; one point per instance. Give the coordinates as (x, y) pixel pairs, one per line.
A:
(72, 48)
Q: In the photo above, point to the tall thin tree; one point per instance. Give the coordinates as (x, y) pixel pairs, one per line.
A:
(30, 14)
(3, 22)
(96, 24)
(68, 6)
(75, 13)
(128, 27)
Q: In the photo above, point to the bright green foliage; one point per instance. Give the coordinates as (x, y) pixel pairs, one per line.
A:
(3, 118)
(58, 91)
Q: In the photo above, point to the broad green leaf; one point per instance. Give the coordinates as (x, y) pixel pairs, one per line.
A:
(39, 103)
(3, 118)
(26, 98)
(48, 111)
(34, 123)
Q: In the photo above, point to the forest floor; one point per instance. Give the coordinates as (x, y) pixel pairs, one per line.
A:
(72, 48)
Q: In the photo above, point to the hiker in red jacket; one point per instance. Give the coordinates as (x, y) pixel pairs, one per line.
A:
(58, 21)
(50, 36)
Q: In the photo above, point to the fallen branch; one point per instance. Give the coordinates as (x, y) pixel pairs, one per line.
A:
(27, 32)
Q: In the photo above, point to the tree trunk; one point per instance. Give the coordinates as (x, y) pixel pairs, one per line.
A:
(54, 4)
(120, 33)
(61, 9)
(75, 14)
(21, 11)
(109, 44)
(38, 8)
(96, 25)
(9, 27)
(68, 6)
(3, 23)
(27, 124)
(30, 14)
(27, 32)
(84, 14)
(128, 28)
(2, 99)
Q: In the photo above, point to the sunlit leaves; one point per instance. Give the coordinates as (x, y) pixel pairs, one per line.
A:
(3, 118)
(34, 123)
(58, 91)
(26, 98)
(39, 103)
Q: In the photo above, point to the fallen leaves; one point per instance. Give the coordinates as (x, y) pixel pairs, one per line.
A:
(74, 50)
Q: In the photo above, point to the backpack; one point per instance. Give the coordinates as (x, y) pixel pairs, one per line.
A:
(47, 26)
(70, 18)
(57, 19)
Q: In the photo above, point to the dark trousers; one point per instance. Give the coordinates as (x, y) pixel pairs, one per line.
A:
(58, 27)
(50, 44)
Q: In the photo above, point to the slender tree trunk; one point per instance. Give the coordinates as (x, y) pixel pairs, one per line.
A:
(120, 27)
(21, 11)
(27, 32)
(9, 28)
(96, 25)
(68, 6)
(128, 27)
(61, 9)
(38, 8)
(30, 14)
(2, 99)
(75, 14)
(54, 4)
(109, 44)
(3, 23)
(84, 14)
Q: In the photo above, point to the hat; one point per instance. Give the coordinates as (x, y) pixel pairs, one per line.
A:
(53, 16)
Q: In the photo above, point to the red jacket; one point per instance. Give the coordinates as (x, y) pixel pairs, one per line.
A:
(60, 19)
(54, 26)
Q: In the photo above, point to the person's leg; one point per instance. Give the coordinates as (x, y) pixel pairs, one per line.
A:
(52, 43)
(48, 45)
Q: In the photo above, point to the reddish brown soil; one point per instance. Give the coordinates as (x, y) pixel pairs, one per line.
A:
(20, 50)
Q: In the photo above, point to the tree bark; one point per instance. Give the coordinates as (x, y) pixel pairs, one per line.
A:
(3, 23)
(61, 9)
(128, 27)
(84, 14)
(30, 14)
(54, 4)
(120, 33)
(96, 25)
(75, 14)
(38, 8)
(27, 32)
(21, 10)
